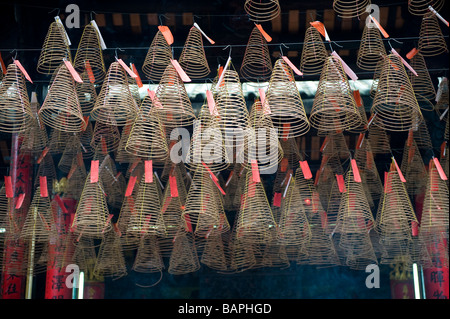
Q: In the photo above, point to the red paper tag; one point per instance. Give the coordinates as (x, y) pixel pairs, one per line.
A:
(25, 73)
(402, 178)
(356, 175)
(131, 73)
(383, 32)
(43, 154)
(210, 172)
(8, 187)
(110, 216)
(439, 169)
(130, 186)
(264, 33)
(229, 178)
(2, 65)
(180, 71)
(148, 171)
(255, 171)
(414, 228)
(291, 65)
(20, 200)
(324, 219)
(61, 204)
(360, 140)
(43, 186)
(94, 171)
(166, 33)
(187, 220)
(90, 74)
(173, 186)
(412, 53)
(341, 183)
(321, 28)
(357, 98)
(72, 71)
(286, 129)
(324, 144)
(277, 199)
(218, 186)
(138, 78)
(305, 169)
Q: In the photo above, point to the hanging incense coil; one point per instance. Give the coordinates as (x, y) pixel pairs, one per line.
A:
(262, 11)
(371, 49)
(435, 213)
(110, 259)
(15, 109)
(171, 94)
(57, 141)
(114, 183)
(207, 144)
(157, 58)
(193, 59)
(114, 104)
(442, 98)
(262, 142)
(232, 108)
(54, 50)
(204, 212)
(291, 153)
(230, 187)
(314, 53)
(335, 144)
(105, 137)
(76, 178)
(92, 214)
(394, 220)
(46, 168)
(241, 255)
(395, 103)
(255, 221)
(356, 250)
(364, 125)
(87, 93)
(273, 255)
(39, 223)
(256, 65)
(376, 77)
(61, 108)
(121, 155)
(420, 7)
(71, 150)
(148, 257)
(350, 8)
(147, 137)
(134, 89)
(413, 168)
(184, 258)
(213, 254)
(378, 139)
(293, 227)
(147, 218)
(422, 84)
(286, 106)
(89, 51)
(334, 107)
(85, 140)
(35, 137)
(431, 39)
(421, 135)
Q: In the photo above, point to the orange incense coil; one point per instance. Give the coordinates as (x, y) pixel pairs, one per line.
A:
(193, 59)
(87, 94)
(147, 138)
(286, 106)
(350, 8)
(204, 212)
(314, 53)
(422, 84)
(262, 10)
(15, 109)
(157, 58)
(110, 260)
(148, 257)
(39, 223)
(334, 107)
(183, 258)
(61, 109)
(256, 64)
(114, 104)
(420, 7)
(89, 52)
(394, 103)
(54, 49)
(431, 39)
(171, 94)
(371, 49)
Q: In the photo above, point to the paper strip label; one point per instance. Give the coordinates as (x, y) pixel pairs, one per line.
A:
(222, 74)
(2, 64)
(22, 69)
(264, 33)
(412, 53)
(102, 43)
(61, 204)
(439, 169)
(292, 66)
(90, 74)
(43, 154)
(356, 175)
(305, 169)
(148, 171)
(357, 97)
(180, 71)
(214, 177)
(321, 28)
(173, 186)
(20, 199)
(43, 186)
(138, 78)
(94, 171)
(129, 71)
(341, 183)
(211, 103)
(72, 71)
(438, 15)
(255, 171)
(360, 141)
(277, 199)
(346, 68)
(130, 186)
(201, 31)
(58, 20)
(166, 33)
(400, 174)
(378, 25)
(8, 187)
(404, 62)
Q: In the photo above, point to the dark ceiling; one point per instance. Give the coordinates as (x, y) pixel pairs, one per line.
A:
(131, 26)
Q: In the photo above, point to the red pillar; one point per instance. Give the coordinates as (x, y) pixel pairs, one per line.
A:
(436, 278)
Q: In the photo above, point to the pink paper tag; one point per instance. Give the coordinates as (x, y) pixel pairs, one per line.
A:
(25, 73)
(129, 71)
(72, 71)
(187, 219)
(43, 186)
(305, 169)
(293, 67)
(264, 33)
(148, 171)
(400, 174)
(173, 186)
(346, 68)
(341, 183)
(255, 171)
(439, 169)
(94, 171)
(404, 62)
(180, 71)
(356, 175)
(20, 200)
(130, 186)
(211, 103)
(218, 186)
